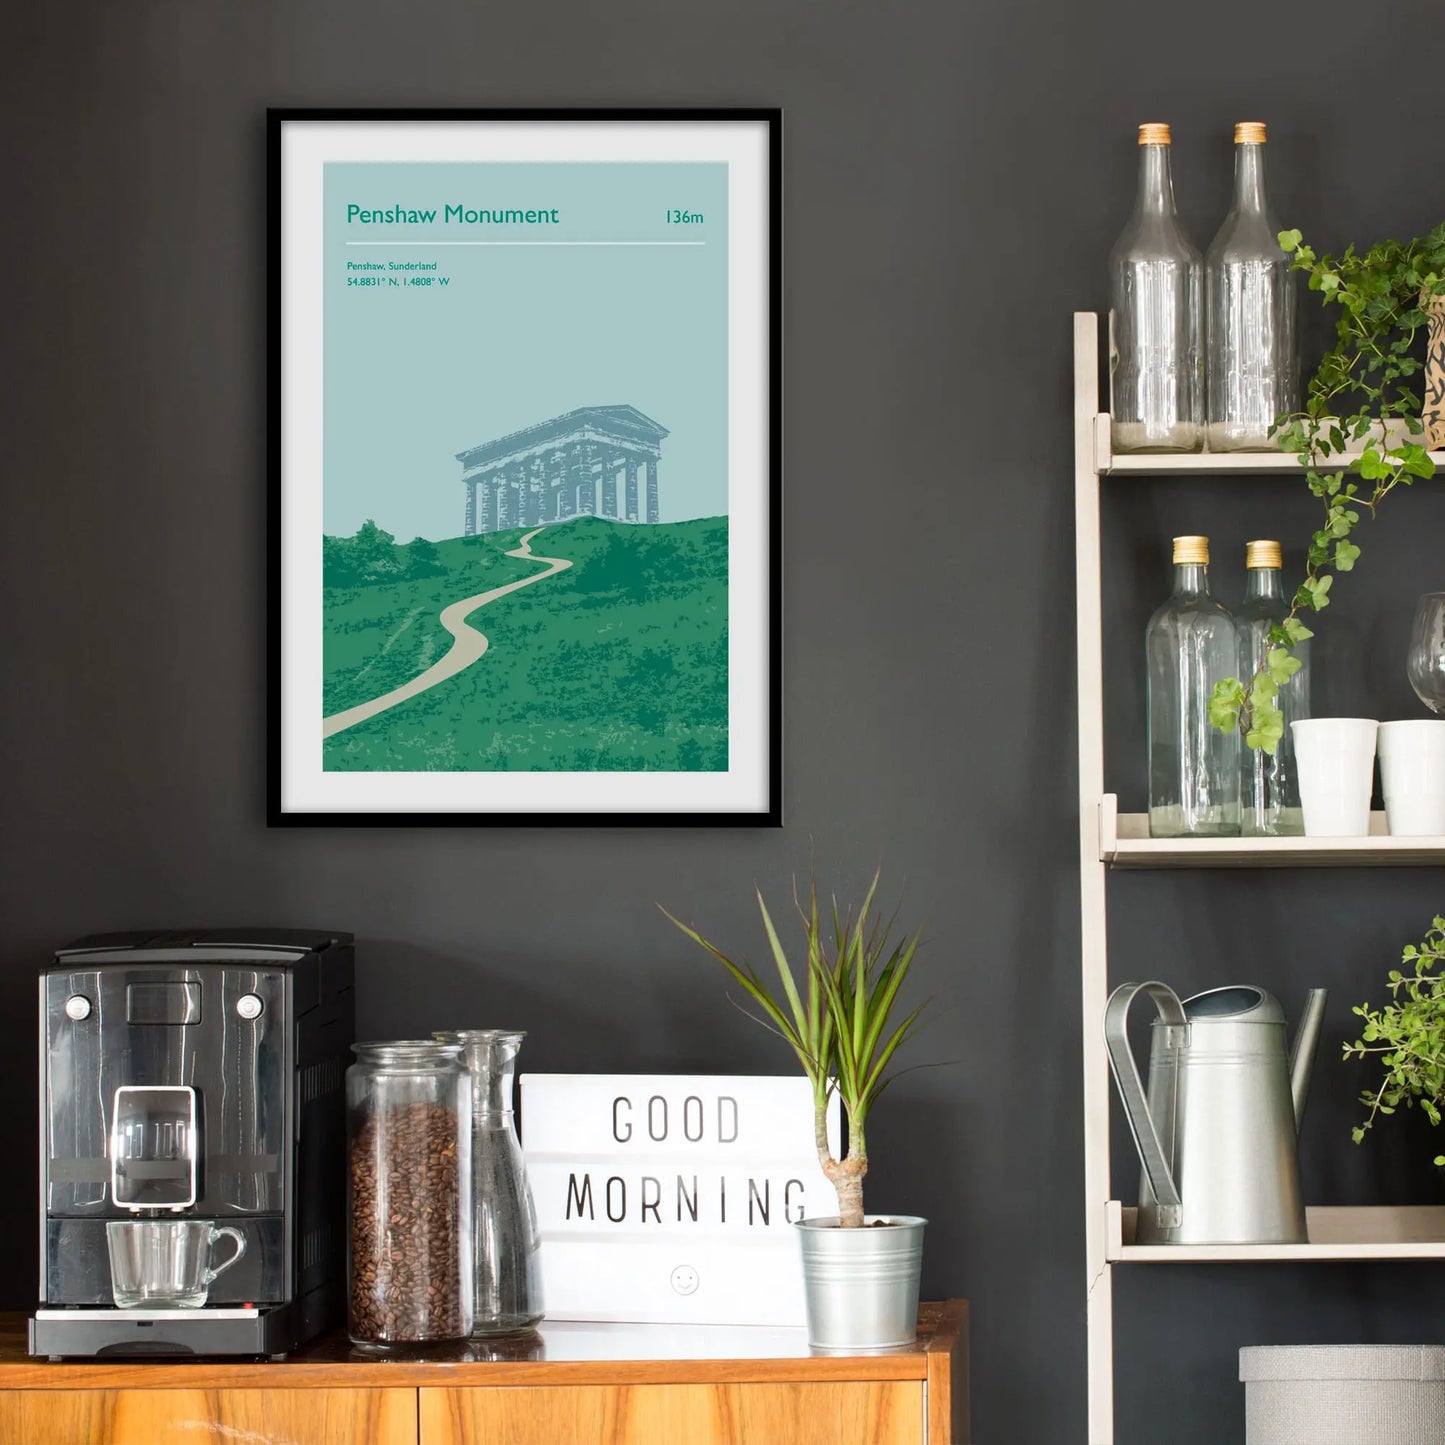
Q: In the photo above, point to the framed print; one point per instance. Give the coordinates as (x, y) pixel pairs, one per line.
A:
(525, 513)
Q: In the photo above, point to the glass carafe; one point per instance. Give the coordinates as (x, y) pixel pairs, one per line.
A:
(1193, 767)
(1156, 284)
(1270, 805)
(506, 1249)
(1253, 359)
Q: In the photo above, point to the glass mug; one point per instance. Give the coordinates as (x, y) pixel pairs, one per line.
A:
(165, 1263)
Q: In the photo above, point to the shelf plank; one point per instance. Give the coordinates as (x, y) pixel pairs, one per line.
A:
(1211, 464)
(1336, 1233)
(1124, 842)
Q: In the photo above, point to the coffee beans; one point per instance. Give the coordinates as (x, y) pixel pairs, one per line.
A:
(408, 1273)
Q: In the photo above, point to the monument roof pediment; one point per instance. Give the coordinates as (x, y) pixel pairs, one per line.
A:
(624, 422)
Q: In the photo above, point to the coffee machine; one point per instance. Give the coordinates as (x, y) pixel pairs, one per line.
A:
(195, 1076)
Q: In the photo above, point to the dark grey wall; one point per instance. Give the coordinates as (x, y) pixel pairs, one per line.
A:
(955, 175)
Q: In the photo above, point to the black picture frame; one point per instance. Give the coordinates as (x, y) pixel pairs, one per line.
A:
(770, 814)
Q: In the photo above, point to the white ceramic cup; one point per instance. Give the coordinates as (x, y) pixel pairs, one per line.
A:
(1336, 761)
(1412, 774)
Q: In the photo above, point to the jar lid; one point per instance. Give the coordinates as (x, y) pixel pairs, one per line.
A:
(1154, 133)
(1191, 551)
(1249, 133)
(413, 1053)
(1262, 554)
(477, 1036)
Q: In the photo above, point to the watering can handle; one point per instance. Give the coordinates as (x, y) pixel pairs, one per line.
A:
(1155, 1153)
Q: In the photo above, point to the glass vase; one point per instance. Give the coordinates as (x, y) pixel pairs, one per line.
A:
(1426, 665)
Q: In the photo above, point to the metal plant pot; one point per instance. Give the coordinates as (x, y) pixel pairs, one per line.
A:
(862, 1284)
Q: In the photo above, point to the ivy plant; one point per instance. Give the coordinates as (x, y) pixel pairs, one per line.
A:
(1408, 1035)
(1363, 400)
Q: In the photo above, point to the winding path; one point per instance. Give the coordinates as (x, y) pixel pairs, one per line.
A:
(467, 643)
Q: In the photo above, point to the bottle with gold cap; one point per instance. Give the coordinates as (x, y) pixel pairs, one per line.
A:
(1193, 767)
(1156, 317)
(1269, 786)
(1252, 342)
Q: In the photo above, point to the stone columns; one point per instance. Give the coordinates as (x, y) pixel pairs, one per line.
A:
(503, 513)
(469, 527)
(484, 488)
(566, 485)
(652, 508)
(586, 482)
(556, 493)
(632, 467)
(609, 487)
(517, 480)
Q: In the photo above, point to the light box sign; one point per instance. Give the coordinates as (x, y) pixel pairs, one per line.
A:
(671, 1198)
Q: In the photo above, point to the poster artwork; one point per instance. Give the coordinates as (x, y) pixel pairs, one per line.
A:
(525, 546)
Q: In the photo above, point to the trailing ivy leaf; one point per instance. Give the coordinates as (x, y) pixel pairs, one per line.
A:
(1225, 704)
(1282, 665)
(1267, 721)
(1371, 466)
(1289, 240)
(1296, 630)
(1345, 554)
(1415, 459)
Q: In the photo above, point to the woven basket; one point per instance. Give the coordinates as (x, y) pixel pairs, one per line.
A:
(1343, 1394)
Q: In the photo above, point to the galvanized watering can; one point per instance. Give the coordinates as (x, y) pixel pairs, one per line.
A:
(1217, 1135)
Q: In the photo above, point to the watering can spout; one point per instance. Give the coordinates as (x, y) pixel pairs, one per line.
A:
(1302, 1053)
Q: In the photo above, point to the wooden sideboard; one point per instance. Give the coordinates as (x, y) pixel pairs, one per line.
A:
(590, 1384)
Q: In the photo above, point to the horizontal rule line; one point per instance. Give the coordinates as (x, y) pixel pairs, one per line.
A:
(526, 243)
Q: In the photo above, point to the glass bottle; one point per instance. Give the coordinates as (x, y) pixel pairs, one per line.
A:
(507, 1261)
(409, 1195)
(1270, 802)
(1193, 767)
(1250, 302)
(1156, 375)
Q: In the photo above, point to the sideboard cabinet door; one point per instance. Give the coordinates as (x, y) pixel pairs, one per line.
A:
(882, 1412)
(209, 1417)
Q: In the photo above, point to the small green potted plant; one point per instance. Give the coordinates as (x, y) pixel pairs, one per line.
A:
(839, 1011)
(1408, 1035)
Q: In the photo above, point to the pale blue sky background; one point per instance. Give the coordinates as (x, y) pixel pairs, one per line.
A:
(414, 375)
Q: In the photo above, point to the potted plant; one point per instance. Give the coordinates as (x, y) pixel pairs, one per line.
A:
(839, 1011)
(1408, 1035)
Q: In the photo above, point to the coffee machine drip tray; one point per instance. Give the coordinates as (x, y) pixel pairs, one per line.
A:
(141, 1333)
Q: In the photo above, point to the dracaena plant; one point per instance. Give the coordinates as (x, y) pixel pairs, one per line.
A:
(1408, 1035)
(1364, 383)
(838, 1009)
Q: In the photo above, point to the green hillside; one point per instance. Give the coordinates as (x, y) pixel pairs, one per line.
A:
(618, 663)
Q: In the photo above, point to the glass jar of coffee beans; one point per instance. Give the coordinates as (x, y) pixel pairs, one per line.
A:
(409, 1210)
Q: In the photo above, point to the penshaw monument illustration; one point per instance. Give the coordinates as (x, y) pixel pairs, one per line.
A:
(584, 463)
